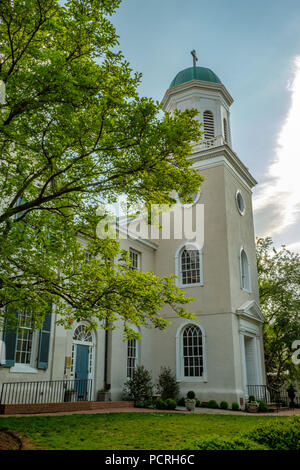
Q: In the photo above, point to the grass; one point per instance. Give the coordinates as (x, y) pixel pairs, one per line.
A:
(116, 431)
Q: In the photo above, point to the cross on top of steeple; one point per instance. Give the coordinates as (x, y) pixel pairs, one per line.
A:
(195, 58)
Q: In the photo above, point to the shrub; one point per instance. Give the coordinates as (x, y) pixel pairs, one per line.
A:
(263, 407)
(235, 406)
(198, 403)
(224, 405)
(251, 398)
(139, 386)
(215, 442)
(170, 404)
(160, 404)
(281, 435)
(191, 395)
(181, 401)
(139, 404)
(212, 404)
(145, 404)
(167, 385)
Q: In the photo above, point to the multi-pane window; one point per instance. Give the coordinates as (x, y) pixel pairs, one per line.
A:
(190, 266)
(192, 351)
(131, 357)
(24, 339)
(209, 127)
(135, 258)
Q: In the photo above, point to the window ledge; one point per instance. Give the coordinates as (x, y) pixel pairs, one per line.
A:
(23, 368)
(246, 290)
(192, 379)
(197, 284)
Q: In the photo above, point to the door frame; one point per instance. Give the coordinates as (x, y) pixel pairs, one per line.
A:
(92, 352)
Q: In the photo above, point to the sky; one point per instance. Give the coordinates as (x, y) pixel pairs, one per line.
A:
(254, 48)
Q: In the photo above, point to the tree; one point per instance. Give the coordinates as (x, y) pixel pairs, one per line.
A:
(167, 385)
(75, 134)
(279, 286)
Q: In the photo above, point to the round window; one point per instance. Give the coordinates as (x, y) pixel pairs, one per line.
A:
(195, 197)
(240, 203)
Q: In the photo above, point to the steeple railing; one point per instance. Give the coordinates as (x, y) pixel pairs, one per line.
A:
(207, 144)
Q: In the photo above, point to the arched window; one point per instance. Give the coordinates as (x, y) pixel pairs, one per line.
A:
(192, 348)
(245, 271)
(190, 266)
(82, 334)
(209, 127)
(225, 127)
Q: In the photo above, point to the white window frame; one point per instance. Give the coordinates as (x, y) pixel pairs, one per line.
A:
(179, 354)
(178, 271)
(132, 250)
(31, 366)
(243, 287)
(137, 351)
(92, 352)
(237, 194)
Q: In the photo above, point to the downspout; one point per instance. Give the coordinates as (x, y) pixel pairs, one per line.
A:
(106, 384)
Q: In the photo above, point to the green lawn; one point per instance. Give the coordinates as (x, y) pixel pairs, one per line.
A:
(150, 431)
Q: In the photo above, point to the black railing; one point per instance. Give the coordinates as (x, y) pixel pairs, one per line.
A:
(54, 391)
(270, 395)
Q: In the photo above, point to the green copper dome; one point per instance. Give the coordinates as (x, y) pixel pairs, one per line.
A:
(195, 73)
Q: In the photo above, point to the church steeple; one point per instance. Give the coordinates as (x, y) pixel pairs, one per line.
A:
(200, 88)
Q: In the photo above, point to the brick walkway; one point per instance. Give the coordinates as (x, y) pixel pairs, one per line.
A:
(181, 410)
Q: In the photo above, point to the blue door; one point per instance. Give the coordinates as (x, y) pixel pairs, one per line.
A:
(81, 371)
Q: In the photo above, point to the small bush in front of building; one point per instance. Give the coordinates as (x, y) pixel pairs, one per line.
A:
(181, 401)
(281, 435)
(216, 442)
(198, 403)
(190, 395)
(167, 385)
(160, 404)
(251, 398)
(149, 403)
(263, 407)
(170, 404)
(212, 404)
(139, 387)
(224, 405)
(235, 406)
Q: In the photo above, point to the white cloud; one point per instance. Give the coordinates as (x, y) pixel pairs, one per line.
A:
(277, 202)
(294, 247)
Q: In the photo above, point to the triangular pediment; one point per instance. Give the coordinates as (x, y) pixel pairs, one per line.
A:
(250, 309)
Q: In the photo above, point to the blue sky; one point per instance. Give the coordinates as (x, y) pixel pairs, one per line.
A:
(253, 46)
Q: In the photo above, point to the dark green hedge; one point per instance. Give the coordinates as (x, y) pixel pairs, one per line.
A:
(280, 435)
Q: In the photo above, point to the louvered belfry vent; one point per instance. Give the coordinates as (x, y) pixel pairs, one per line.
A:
(209, 128)
(225, 130)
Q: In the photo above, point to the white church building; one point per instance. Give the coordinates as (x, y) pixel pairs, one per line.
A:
(219, 354)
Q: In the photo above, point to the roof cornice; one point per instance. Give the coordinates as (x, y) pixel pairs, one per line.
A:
(208, 86)
(225, 150)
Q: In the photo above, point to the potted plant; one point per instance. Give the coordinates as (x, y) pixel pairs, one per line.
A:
(70, 395)
(190, 401)
(103, 395)
(252, 406)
